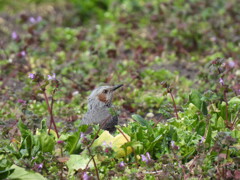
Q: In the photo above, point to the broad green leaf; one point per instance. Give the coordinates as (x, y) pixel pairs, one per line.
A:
(195, 98)
(76, 162)
(47, 142)
(22, 174)
(234, 100)
(73, 141)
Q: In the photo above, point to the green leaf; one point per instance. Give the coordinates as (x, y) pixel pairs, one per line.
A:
(201, 128)
(23, 129)
(43, 125)
(204, 108)
(4, 174)
(76, 162)
(73, 141)
(195, 98)
(22, 174)
(139, 119)
(47, 142)
(209, 135)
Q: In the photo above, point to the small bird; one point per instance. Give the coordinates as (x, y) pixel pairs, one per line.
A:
(100, 109)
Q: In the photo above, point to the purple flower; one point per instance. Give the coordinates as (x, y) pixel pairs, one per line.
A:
(40, 166)
(39, 19)
(82, 135)
(121, 164)
(85, 176)
(146, 158)
(231, 64)
(21, 101)
(202, 139)
(53, 77)
(60, 142)
(174, 146)
(221, 81)
(35, 20)
(15, 35)
(32, 20)
(148, 155)
(23, 53)
(31, 76)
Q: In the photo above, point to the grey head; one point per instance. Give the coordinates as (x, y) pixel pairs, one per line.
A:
(101, 97)
(99, 107)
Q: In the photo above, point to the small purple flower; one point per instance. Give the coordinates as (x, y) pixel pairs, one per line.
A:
(174, 146)
(221, 81)
(39, 19)
(53, 77)
(33, 157)
(202, 139)
(82, 135)
(121, 164)
(31, 76)
(85, 176)
(35, 20)
(40, 166)
(14, 35)
(23, 53)
(148, 155)
(231, 64)
(32, 20)
(60, 142)
(146, 158)
(21, 101)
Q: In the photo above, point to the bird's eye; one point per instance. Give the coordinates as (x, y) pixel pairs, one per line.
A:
(105, 91)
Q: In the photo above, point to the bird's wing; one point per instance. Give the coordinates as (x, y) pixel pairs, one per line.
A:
(96, 116)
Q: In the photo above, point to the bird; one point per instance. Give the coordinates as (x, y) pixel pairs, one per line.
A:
(100, 108)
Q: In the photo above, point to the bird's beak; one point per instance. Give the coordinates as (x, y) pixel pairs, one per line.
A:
(116, 87)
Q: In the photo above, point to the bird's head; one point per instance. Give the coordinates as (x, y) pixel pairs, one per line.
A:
(102, 96)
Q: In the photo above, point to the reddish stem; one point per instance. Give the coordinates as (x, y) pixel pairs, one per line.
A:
(225, 98)
(50, 112)
(174, 105)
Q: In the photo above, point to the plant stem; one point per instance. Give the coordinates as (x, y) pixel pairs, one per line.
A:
(174, 105)
(50, 112)
(94, 162)
(128, 141)
(226, 101)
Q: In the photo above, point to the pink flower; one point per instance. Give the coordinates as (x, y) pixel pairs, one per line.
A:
(60, 142)
(21, 101)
